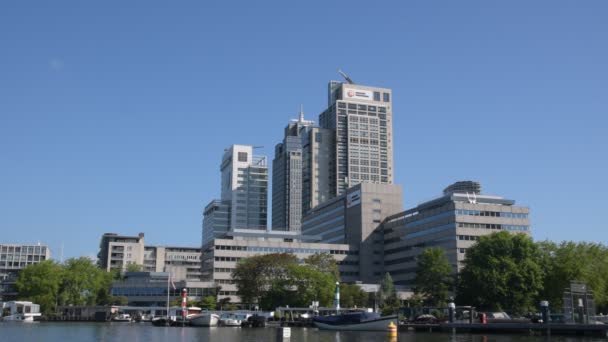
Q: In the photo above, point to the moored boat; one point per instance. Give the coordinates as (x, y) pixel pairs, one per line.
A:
(123, 317)
(367, 321)
(233, 319)
(19, 311)
(206, 319)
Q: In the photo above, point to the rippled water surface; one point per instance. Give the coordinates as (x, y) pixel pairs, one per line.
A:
(135, 332)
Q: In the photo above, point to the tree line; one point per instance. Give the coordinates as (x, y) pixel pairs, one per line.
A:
(511, 272)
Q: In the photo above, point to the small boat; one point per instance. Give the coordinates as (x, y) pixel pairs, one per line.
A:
(233, 319)
(19, 311)
(124, 317)
(206, 319)
(368, 321)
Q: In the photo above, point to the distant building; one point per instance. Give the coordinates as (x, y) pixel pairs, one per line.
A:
(454, 222)
(14, 258)
(116, 252)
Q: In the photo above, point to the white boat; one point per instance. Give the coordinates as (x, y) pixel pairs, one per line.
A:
(362, 321)
(233, 319)
(19, 311)
(206, 319)
(122, 318)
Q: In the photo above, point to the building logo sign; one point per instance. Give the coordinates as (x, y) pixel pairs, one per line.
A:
(353, 199)
(358, 94)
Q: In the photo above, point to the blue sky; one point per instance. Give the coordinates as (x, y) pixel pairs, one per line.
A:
(114, 114)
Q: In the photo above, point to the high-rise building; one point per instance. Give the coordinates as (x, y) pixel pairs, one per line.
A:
(453, 222)
(287, 176)
(245, 187)
(362, 119)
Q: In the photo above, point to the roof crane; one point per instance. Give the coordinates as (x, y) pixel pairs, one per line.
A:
(345, 77)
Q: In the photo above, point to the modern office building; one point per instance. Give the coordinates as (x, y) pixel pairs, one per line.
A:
(318, 168)
(244, 194)
(14, 258)
(216, 220)
(221, 255)
(454, 222)
(361, 117)
(149, 289)
(463, 187)
(245, 185)
(118, 251)
(287, 176)
(354, 219)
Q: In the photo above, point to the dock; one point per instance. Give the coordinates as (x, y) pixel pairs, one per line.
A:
(512, 328)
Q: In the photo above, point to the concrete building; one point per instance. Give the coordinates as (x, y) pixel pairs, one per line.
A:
(14, 258)
(183, 263)
(361, 117)
(354, 219)
(118, 251)
(454, 222)
(317, 167)
(245, 186)
(221, 255)
(287, 176)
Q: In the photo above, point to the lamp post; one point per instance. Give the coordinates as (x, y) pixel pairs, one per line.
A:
(337, 299)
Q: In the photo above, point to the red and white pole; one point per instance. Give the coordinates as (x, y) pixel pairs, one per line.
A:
(184, 296)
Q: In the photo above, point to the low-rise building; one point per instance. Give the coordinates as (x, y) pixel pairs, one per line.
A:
(14, 258)
(220, 256)
(116, 252)
(150, 288)
(454, 222)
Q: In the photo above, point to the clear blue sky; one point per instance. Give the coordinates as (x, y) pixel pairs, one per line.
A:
(114, 114)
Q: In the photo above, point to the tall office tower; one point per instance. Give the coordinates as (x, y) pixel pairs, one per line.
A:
(318, 146)
(362, 119)
(287, 173)
(245, 187)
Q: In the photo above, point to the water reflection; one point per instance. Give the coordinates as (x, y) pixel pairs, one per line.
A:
(144, 332)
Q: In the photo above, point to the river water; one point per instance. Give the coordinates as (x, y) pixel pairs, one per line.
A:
(145, 332)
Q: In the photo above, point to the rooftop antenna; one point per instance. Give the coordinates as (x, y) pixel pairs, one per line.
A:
(345, 77)
(301, 113)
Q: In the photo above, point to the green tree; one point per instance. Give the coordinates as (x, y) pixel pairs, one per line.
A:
(324, 262)
(387, 296)
(570, 261)
(434, 277)
(132, 267)
(256, 276)
(352, 295)
(208, 303)
(83, 282)
(501, 271)
(40, 283)
(119, 300)
(310, 284)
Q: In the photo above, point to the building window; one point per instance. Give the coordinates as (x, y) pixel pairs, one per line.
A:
(318, 137)
(376, 96)
(386, 97)
(242, 156)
